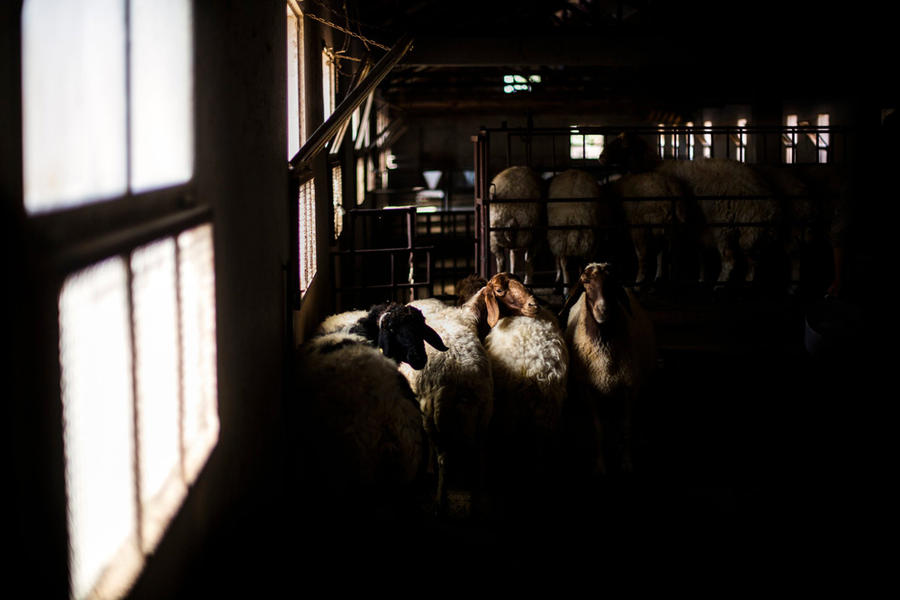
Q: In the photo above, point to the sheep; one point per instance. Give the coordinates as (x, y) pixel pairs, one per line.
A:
(613, 355)
(799, 213)
(516, 182)
(455, 394)
(566, 243)
(739, 210)
(529, 361)
(717, 185)
(399, 331)
(653, 221)
(359, 420)
(455, 389)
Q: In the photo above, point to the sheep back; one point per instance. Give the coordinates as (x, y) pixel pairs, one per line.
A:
(514, 182)
(530, 362)
(341, 322)
(455, 389)
(357, 417)
(572, 183)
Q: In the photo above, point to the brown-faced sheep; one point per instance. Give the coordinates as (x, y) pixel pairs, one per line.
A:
(613, 353)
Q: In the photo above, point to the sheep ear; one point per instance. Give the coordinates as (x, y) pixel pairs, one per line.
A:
(384, 343)
(493, 309)
(434, 340)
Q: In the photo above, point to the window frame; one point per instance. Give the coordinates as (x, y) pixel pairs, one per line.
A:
(61, 242)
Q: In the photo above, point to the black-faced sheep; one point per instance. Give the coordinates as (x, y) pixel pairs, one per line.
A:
(513, 183)
(360, 424)
(613, 353)
(455, 392)
(397, 330)
(573, 243)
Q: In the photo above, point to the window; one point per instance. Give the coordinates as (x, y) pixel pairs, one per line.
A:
(519, 83)
(584, 146)
(108, 114)
(823, 138)
(360, 181)
(328, 83)
(740, 141)
(295, 81)
(307, 233)
(138, 369)
(707, 139)
(789, 139)
(661, 140)
(337, 201)
(91, 110)
(690, 140)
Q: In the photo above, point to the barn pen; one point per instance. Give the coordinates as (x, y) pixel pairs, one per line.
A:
(190, 188)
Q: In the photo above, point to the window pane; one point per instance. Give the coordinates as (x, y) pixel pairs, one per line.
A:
(157, 360)
(293, 84)
(73, 102)
(162, 102)
(307, 233)
(337, 201)
(95, 359)
(198, 346)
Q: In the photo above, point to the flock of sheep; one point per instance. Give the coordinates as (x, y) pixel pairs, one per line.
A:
(723, 213)
(474, 395)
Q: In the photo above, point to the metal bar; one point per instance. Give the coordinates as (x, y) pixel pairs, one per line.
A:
(345, 109)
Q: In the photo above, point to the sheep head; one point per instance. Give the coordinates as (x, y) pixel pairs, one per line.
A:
(400, 332)
(604, 295)
(505, 293)
(629, 152)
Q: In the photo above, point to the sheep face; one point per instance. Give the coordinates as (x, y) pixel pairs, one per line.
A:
(402, 335)
(605, 296)
(506, 289)
(628, 152)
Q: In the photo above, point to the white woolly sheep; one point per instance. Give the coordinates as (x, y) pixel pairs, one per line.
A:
(645, 203)
(737, 206)
(517, 182)
(613, 353)
(572, 243)
(530, 363)
(455, 389)
(455, 394)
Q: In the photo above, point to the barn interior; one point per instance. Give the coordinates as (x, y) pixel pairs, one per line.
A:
(333, 155)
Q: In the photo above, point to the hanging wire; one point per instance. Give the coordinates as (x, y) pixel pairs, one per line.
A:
(364, 39)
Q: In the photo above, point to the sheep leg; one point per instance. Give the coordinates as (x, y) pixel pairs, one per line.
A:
(529, 266)
(600, 463)
(441, 495)
(500, 259)
(512, 261)
(559, 269)
(564, 266)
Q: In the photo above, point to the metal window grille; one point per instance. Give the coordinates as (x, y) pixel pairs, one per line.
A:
(307, 233)
(337, 201)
